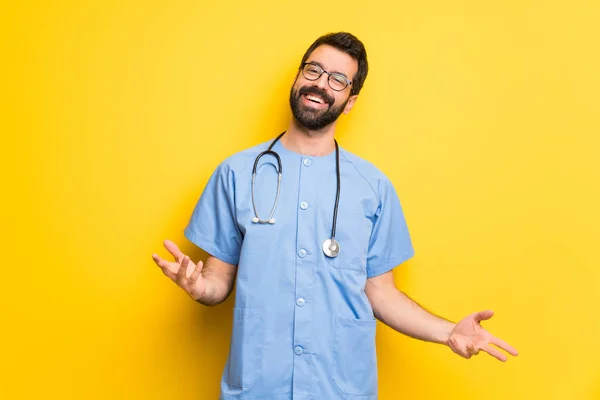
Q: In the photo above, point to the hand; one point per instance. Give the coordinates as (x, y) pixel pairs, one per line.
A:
(193, 284)
(468, 337)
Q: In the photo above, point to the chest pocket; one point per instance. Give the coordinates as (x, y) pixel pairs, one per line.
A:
(353, 232)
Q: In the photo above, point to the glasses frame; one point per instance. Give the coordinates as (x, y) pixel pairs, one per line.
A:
(348, 81)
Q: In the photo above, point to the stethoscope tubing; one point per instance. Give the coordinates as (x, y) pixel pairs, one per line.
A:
(330, 247)
(270, 219)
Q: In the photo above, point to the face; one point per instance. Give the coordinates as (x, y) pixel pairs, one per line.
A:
(315, 105)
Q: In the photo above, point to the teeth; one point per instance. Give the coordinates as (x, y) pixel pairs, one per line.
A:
(313, 98)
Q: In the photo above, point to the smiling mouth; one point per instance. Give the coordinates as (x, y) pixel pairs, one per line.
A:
(315, 99)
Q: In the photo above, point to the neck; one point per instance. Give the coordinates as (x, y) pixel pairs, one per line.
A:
(307, 142)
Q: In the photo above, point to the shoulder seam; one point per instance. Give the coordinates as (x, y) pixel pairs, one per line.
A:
(244, 166)
(362, 176)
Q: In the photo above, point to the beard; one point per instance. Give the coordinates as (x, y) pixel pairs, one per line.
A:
(310, 118)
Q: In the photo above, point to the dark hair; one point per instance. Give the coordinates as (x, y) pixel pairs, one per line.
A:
(350, 45)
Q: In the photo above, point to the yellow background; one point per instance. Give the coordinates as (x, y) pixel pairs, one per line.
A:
(485, 115)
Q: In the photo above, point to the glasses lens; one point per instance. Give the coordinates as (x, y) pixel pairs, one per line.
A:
(337, 82)
(311, 72)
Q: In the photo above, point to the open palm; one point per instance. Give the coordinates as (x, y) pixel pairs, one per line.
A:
(182, 271)
(468, 338)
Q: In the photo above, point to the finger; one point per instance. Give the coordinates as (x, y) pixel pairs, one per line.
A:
(196, 272)
(458, 349)
(492, 351)
(472, 350)
(174, 250)
(161, 263)
(165, 266)
(182, 272)
(483, 315)
(504, 346)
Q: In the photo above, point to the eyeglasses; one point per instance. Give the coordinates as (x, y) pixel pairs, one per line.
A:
(337, 81)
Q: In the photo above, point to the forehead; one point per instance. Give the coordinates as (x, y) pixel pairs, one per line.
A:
(334, 60)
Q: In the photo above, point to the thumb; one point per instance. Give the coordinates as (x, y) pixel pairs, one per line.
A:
(483, 315)
(196, 273)
(200, 265)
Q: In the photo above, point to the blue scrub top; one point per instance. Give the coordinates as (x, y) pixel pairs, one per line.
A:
(303, 327)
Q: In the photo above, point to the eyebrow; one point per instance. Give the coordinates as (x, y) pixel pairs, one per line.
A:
(323, 68)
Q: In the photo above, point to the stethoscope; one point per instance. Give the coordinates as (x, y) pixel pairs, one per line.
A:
(331, 247)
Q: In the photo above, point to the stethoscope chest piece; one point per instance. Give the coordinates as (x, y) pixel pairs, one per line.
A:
(331, 248)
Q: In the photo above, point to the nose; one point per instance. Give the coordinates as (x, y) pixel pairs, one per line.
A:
(322, 82)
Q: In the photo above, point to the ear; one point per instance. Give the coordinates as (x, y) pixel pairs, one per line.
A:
(350, 103)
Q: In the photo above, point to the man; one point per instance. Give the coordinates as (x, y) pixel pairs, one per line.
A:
(311, 251)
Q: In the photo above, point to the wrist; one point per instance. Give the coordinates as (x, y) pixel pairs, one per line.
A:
(200, 291)
(446, 333)
(210, 295)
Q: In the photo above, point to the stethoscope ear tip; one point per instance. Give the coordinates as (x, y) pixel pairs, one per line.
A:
(256, 221)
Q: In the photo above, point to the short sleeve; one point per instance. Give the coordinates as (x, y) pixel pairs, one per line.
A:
(390, 244)
(213, 226)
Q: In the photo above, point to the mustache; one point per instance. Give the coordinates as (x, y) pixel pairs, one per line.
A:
(317, 92)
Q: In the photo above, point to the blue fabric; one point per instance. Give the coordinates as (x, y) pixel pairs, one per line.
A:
(303, 327)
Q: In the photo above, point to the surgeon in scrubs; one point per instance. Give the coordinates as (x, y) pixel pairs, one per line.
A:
(308, 294)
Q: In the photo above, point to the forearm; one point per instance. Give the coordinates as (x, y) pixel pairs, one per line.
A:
(404, 315)
(219, 282)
